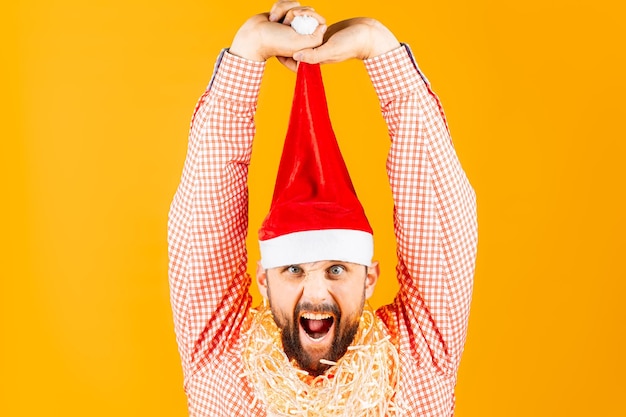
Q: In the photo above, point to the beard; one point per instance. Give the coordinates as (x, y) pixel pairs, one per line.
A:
(344, 332)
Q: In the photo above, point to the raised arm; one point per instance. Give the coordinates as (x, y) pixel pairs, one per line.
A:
(435, 212)
(208, 218)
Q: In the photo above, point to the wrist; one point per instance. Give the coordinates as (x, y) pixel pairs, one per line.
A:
(383, 41)
(245, 49)
(246, 43)
(244, 53)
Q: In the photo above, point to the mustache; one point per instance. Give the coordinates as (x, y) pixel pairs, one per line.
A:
(317, 308)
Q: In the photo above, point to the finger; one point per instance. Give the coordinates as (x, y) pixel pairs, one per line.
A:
(320, 31)
(326, 53)
(290, 63)
(280, 9)
(309, 55)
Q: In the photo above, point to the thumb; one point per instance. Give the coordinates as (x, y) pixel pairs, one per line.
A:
(327, 53)
(309, 55)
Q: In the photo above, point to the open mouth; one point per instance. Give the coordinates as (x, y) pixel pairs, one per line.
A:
(316, 325)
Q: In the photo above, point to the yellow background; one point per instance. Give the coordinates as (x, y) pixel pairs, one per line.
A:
(97, 99)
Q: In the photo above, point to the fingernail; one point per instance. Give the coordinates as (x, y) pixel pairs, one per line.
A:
(323, 28)
(272, 17)
(297, 56)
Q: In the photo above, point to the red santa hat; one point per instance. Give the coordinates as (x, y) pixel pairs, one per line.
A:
(315, 214)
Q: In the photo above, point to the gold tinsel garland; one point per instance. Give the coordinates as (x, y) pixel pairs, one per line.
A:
(362, 383)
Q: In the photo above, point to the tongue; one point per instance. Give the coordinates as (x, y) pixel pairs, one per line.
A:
(316, 325)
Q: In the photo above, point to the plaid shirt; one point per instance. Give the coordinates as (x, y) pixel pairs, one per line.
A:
(434, 223)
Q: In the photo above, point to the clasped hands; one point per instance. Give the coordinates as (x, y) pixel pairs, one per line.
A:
(269, 34)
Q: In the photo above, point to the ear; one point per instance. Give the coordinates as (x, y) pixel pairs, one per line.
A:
(261, 279)
(370, 280)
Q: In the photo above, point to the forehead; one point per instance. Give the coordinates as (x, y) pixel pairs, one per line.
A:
(309, 266)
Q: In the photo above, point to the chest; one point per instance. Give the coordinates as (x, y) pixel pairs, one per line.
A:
(222, 390)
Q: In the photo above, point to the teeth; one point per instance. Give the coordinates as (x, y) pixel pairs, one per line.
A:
(316, 316)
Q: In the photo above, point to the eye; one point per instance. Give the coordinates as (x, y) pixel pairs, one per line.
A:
(336, 270)
(293, 269)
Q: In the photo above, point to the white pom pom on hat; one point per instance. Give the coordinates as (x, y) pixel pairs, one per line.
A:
(315, 214)
(304, 25)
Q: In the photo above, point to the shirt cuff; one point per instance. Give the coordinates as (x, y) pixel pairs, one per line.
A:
(395, 73)
(236, 79)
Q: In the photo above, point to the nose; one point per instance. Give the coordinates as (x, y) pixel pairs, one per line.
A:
(315, 289)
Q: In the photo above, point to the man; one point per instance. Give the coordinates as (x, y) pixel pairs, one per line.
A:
(317, 350)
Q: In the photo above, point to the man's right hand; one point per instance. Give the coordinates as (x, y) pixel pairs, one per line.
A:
(359, 38)
(264, 36)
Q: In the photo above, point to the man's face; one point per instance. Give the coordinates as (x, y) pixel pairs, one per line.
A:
(317, 306)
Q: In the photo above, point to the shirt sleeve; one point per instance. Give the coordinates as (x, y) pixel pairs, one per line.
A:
(208, 218)
(434, 215)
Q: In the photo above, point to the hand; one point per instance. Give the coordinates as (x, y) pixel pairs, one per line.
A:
(262, 36)
(360, 38)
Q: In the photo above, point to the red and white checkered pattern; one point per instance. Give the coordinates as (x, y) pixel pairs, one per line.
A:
(435, 225)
